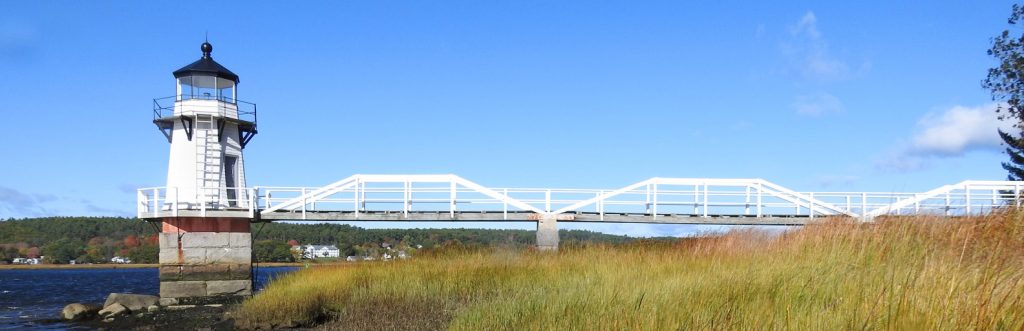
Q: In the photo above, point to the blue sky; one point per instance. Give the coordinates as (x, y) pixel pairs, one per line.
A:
(880, 96)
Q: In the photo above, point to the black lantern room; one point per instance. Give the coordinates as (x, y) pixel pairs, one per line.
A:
(205, 90)
(206, 79)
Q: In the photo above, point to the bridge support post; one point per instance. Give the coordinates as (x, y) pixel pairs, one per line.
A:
(205, 259)
(547, 233)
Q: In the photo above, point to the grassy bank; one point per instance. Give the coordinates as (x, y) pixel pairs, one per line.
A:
(901, 273)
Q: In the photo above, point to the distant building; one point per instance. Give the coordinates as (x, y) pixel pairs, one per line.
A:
(120, 260)
(352, 258)
(23, 260)
(318, 251)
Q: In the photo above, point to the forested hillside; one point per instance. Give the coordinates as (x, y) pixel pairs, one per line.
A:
(85, 239)
(98, 239)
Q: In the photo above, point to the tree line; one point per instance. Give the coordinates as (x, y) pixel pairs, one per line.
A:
(83, 239)
(98, 239)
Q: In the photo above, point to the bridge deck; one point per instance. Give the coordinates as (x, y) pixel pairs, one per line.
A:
(519, 216)
(400, 198)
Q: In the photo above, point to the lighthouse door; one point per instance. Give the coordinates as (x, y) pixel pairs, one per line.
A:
(229, 179)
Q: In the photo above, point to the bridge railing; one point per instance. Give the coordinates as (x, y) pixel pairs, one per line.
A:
(964, 198)
(156, 202)
(386, 199)
(653, 198)
(391, 193)
(447, 193)
(697, 197)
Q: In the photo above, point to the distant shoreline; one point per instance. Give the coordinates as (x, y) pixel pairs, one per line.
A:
(117, 266)
(75, 266)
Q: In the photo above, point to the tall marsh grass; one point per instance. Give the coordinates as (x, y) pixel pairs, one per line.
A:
(899, 273)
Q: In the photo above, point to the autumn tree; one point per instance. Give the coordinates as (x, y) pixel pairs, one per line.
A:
(94, 251)
(131, 241)
(32, 252)
(1006, 82)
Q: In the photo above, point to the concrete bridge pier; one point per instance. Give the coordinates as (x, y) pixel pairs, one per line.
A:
(547, 233)
(205, 259)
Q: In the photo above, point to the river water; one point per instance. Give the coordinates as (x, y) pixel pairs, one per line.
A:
(33, 299)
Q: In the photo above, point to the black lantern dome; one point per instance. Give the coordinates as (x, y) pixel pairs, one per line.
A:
(206, 91)
(206, 66)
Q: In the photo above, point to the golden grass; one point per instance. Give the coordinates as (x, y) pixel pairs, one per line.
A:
(900, 273)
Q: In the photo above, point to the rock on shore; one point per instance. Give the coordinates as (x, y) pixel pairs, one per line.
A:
(113, 310)
(134, 302)
(134, 311)
(117, 304)
(78, 311)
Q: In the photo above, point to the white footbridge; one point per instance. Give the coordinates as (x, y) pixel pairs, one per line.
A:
(400, 198)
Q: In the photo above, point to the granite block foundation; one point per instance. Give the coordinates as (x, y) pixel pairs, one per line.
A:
(205, 259)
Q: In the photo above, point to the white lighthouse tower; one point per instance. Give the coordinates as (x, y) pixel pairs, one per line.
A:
(207, 127)
(205, 240)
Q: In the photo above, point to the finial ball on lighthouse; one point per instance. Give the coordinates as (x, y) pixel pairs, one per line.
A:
(207, 48)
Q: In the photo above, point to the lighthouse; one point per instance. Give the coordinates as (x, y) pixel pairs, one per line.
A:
(205, 242)
(208, 127)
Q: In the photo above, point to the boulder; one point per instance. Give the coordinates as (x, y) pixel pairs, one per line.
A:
(78, 311)
(113, 310)
(134, 302)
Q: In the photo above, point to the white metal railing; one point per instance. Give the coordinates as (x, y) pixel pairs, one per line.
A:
(654, 198)
(167, 202)
(400, 193)
(221, 107)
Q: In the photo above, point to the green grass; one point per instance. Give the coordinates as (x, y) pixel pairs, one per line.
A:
(901, 273)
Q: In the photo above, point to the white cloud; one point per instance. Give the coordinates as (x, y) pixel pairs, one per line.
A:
(951, 133)
(810, 54)
(808, 25)
(17, 203)
(817, 104)
(958, 130)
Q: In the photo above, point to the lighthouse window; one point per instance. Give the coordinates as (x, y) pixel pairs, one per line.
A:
(225, 90)
(185, 88)
(205, 87)
(230, 162)
(204, 122)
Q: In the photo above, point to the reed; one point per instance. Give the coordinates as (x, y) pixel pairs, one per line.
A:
(896, 273)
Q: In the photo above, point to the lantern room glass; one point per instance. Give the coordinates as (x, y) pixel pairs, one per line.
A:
(206, 88)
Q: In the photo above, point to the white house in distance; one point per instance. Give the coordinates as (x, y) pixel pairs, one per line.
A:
(318, 251)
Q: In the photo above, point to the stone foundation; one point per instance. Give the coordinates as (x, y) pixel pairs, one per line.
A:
(547, 233)
(205, 258)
